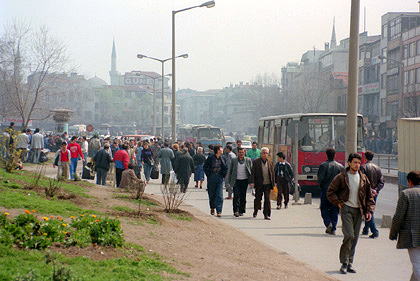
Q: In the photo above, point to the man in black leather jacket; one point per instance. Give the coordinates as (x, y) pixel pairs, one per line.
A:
(374, 174)
(326, 173)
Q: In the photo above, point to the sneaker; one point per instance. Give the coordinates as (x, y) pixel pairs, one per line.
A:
(329, 229)
(219, 215)
(365, 232)
(212, 212)
(343, 268)
(374, 235)
(350, 269)
(236, 214)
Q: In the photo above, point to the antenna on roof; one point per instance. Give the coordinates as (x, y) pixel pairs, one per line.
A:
(314, 50)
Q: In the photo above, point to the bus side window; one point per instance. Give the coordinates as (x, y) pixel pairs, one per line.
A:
(266, 131)
(271, 132)
(283, 132)
(277, 138)
(289, 131)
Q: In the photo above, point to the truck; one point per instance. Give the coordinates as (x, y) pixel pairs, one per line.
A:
(408, 149)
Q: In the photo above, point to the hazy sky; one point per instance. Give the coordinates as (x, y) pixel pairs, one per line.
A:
(231, 42)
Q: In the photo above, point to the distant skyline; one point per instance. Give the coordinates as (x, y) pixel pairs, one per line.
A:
(232, 42)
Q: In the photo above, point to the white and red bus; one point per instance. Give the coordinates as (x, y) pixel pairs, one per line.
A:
(306, 136)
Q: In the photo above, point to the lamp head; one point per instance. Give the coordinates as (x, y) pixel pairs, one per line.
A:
(208, 4)
(184, 56)
(140, 56)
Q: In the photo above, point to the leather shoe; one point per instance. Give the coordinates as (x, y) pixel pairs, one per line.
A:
(254, 214)
(343, 268)
(278, 207)
(236, 214)
(374, 235)
(365, 232)
(212, 212)
(267, 218)
(350, 269)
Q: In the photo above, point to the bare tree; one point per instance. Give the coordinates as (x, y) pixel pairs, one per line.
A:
(30, 53)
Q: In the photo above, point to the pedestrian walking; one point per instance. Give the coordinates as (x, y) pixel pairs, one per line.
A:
(139, 166)
(62, 161)
(76, 152)
(22, 143)
(94, 145)
(147, 161)
(254, 152)
(215, 169)
(184, 167)
(199, 160)
(165, 157)
(228, 156)
(238, 145)
(37, 145)
(406, 222)
(326, 173)
(263, 181)
(284, 177)
(239, 175)
(374, 175)
(350, 191)
(121, 161)
(102, 164)
(85, 147)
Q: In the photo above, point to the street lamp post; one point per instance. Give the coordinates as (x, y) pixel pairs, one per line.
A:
(401, 69)
(162, 61)
(351, 128)
(208, 4)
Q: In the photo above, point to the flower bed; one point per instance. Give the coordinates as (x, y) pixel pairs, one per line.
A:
(27, 231)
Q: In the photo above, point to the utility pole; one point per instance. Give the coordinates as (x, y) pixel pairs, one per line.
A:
(351, 126)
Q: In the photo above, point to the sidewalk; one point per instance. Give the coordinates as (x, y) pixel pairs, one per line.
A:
(299, 231)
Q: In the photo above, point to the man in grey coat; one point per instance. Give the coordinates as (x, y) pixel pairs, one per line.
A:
(239, 173)
(165, 156)
(406, 222)
(37, 144)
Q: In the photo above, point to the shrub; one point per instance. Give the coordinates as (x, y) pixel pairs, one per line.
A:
(26, 231)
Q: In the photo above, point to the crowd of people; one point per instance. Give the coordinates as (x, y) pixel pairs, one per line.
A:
(349, 192)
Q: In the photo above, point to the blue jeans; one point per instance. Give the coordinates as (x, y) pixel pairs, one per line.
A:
(371, 224)
(73, 167)
(147, 171)
(215, 191)
(329, 212)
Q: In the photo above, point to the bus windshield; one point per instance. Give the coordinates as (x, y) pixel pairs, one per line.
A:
(321, 132)
(210, 133)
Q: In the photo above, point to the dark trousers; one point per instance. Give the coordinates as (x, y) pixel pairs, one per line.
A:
(101, 176)
(118, 175)
(259, 192)
(165, 178)
(351, 220)
(329, 212)
(371, 224)
(215, 192)
(239, 196)
(283, 191)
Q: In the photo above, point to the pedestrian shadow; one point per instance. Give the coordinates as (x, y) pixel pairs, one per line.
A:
(319, 235)
(284, 227)
(333, 272)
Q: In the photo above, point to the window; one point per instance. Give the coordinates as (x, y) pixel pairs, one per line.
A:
(283, 132)
(406, 78)
(418, 47)
(289, 131)
(417, 75)
(405, 51)
(411, 77)
(412, 49)
(385, 31)
(392, 83)
(266, 131)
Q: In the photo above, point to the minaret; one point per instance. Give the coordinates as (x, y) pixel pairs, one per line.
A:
(333, 43)
(113, 73)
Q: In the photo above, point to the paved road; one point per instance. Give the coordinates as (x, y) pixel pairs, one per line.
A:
(299, 231)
